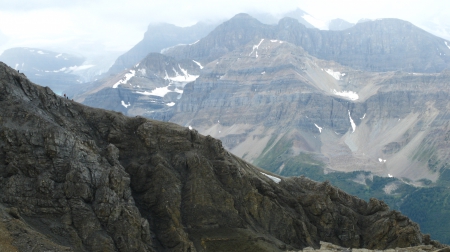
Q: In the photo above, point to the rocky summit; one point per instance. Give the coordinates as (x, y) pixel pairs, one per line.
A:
(75, 178)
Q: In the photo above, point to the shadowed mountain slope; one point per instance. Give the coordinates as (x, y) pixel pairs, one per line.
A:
(74, 178)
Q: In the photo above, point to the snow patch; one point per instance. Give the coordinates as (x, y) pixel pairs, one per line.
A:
(179, 81)
(347, 94)
(59, 55)
(320, 128)
(142, 71)
(125, 105)
(390, 176)
(273, 178)
(194, 42)
(364, 116)
(170, 104)
(136, 65)
(161, 91)
(181, 78)
(263, 72)
(447, 44)
(190, 127)
(79, 68)
(382, 160)
(256, 47)
(352, 122)
(125, 78)
(275, 41)
(336, 75)
(41, 52)
(319, 24)
(198, 63)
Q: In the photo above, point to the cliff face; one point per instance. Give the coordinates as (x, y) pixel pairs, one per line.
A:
(75, 178)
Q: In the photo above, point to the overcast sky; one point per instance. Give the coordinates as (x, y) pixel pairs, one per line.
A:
(117, 25)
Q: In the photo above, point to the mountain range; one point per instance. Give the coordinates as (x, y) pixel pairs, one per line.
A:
(75, 178)
(364, 106)
(367, 104)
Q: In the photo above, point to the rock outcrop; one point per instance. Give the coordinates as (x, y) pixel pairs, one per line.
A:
(74, 178)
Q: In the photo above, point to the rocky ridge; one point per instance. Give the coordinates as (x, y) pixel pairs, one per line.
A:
(75, 178)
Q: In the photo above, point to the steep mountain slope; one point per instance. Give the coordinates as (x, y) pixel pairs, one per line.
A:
(75, 178)
(158, 37)
(381, 45)
(57, 70)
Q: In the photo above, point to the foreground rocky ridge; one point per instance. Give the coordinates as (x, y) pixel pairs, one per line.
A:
(75, 178)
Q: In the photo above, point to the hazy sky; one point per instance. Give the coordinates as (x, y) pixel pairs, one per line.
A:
(117, 25)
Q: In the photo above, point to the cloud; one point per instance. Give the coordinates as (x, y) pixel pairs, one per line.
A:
(120, 24)
(3, 38)
(28, 5)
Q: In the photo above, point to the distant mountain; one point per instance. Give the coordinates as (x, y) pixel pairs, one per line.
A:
(380, 45)
(158, 37)
(303, 18)
(228, 36)
(47, 68)
(151, 86)
(339, 25)
(439, 25)
(363, 20)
